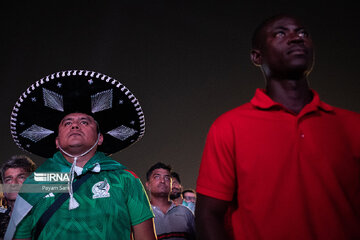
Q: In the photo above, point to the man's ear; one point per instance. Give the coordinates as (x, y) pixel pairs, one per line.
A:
(147, 186)
(101, 139)
(57, 142)
(255, 57)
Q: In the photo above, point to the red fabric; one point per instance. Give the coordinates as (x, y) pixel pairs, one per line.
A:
(132, 173)
(294, 176)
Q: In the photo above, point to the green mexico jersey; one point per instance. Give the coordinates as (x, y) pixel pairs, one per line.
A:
(111, 201)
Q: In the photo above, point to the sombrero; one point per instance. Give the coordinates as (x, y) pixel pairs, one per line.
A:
(37, 113)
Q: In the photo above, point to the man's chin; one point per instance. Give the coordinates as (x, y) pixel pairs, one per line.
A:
(161, 194)
(11, 196)
(76, 145)
(175, 195)
(76, 148)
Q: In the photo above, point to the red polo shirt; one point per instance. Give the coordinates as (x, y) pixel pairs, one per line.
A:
(294, 176)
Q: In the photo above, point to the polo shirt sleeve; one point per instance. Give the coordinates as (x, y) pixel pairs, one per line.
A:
(138, 203)
(191, 223)
(217, 169)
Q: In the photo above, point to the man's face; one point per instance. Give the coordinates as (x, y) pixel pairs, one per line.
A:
(77, 132)
(159, 183)
(14, 176)
(287, 48)
(176, 187)
(189, 197)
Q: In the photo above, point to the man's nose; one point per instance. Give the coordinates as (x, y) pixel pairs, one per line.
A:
(164, 179)
(295, 38)
(13, 181)
(74, 126)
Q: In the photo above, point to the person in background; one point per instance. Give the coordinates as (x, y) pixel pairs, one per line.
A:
(172, 221)
(13, 173)
(286, 164)
(175, 194)
(189, 197)
(4, 216)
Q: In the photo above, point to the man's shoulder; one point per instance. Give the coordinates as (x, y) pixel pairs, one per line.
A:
(183, 209)
(347, 120)
(124, 177)
(236, 114)
(129, 173)
(346, 113)
(243, 108)
(54, 164)
(346, 116)
(350, 119)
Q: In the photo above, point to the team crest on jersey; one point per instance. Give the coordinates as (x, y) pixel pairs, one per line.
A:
(101, 189)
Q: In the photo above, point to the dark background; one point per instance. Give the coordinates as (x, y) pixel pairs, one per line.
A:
(186, 61)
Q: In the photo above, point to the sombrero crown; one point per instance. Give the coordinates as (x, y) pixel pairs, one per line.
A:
(36, 115)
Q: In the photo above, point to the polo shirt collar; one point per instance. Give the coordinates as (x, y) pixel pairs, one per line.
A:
(263, 101)
(155, 208)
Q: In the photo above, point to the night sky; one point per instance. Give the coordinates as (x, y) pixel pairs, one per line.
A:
(187, 62)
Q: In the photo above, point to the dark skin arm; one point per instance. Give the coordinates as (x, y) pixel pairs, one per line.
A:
(209, 218)
(145, 230)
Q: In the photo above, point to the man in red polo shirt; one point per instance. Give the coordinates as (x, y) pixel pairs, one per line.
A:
(285, 165)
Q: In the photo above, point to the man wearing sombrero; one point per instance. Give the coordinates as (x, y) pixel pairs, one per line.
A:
(77, 119)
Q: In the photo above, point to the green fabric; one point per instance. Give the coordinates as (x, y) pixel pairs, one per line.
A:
(59, 164)
(100, 218)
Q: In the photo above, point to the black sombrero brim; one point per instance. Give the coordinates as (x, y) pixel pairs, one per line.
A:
(36, 115)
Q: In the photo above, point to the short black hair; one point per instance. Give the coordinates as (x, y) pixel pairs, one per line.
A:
(188, 190)
(175, 175)
(157, 166)
(17, 161)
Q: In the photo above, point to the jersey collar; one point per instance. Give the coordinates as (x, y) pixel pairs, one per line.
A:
(263, 101)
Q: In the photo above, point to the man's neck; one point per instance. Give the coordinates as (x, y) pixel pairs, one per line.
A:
(10, 204)
(292, 94)
(81, 160)
(162, 203)
(178, 201)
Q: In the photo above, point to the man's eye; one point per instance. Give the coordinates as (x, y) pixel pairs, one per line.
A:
(303, 34)
(279, 34)
(167, 178)
(84, 123)
(67, 123)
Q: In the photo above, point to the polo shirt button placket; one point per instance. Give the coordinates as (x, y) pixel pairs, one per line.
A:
(300, 131)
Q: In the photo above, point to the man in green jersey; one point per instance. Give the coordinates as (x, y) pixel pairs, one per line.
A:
(111, 203)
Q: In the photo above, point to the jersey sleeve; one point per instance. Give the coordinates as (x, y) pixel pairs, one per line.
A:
(216, 177)
(138, 203)
(24, 228)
